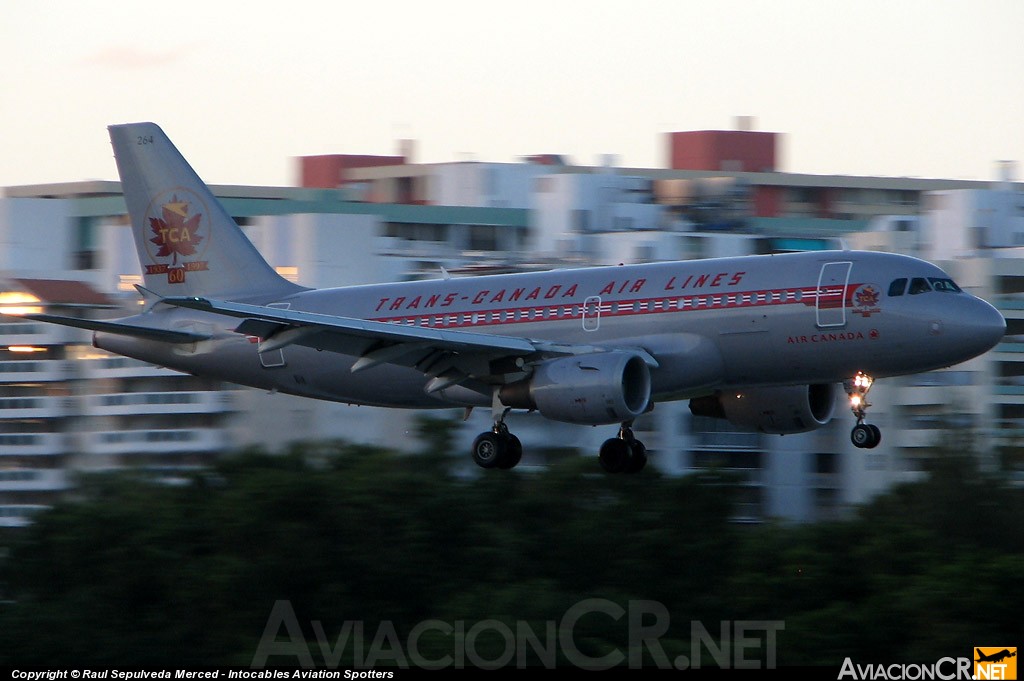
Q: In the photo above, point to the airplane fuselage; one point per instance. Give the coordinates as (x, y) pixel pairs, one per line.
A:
(802, 318)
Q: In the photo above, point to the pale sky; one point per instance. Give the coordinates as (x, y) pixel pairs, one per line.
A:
(924, 88)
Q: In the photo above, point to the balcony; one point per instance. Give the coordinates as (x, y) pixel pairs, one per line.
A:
(35, 407)
(1008, 302)
(35, 371)
(33, 480)
(162, 441)
(19, 515)
(1008, 431)
(923, 395)
(33, 444)
(825, 480)
(120, 367)
(395, 246)
(35, 333)
(1008, 390)
(726, 440)
(171, 402)
(916, 438)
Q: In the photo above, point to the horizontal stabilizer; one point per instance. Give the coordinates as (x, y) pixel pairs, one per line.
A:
(121, 329)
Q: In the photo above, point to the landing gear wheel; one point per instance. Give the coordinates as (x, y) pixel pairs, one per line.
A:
(489, 450)
(861, 435)
(513, 452)
(865, 436)
(637, 457)
(614, 455)
(623, 454)
(877, 434)
(497, 448)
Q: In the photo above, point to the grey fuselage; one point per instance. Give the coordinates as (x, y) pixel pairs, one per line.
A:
(801, 318)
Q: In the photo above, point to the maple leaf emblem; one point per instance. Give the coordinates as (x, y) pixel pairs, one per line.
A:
(176, 232)
(867, 297)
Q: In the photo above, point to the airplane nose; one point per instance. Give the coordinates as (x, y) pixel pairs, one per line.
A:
(979, 327)
(991, 325)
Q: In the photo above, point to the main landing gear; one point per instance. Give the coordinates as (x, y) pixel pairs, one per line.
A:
(499, 448)
(623, 454)
(864, 435)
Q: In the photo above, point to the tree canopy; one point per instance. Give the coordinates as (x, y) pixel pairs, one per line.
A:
(131, 572)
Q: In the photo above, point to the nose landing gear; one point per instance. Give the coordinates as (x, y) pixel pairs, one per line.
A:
(864, 435)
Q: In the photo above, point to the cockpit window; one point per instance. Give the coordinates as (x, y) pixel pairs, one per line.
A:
(944, 285)
(919, 285)
(897, 287)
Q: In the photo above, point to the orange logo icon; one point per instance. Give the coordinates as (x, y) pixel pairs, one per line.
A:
(995, 663)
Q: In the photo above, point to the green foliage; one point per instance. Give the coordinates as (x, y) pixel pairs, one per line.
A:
(131, 572)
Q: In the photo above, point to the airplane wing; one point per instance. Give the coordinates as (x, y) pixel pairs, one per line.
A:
(448, 356)
(146, 332)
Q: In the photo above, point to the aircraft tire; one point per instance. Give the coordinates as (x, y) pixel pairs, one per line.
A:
(637, 457)
(614, 455)
(513, 452)
(865, 436)
(488, 450)
(876, 436)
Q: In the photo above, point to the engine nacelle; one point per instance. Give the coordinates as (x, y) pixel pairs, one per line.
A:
(602, 387)
(779, 411)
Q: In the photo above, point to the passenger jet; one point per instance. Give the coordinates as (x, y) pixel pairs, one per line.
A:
(767, 342)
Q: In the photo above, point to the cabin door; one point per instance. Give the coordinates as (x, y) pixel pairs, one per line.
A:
(833, 281)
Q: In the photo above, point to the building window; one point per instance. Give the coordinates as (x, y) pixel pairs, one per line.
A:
(581, 219)
(483, 238)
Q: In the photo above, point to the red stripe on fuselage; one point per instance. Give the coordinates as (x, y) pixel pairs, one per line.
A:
(827, 298)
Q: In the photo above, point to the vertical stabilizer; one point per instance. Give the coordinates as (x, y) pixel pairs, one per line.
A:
(187, 243)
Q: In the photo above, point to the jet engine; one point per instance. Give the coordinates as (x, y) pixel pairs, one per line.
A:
(601, 387)
(779, 411)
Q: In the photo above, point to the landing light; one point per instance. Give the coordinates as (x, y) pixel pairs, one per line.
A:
(18, 303)
(24, 348)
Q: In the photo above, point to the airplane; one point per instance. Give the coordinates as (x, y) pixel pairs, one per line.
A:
(995, 657)
(766, 341)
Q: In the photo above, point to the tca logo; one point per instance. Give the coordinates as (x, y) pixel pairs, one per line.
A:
(177, 235)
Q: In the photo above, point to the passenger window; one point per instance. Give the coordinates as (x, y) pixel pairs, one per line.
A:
(919, 285)
(897, 287)
(945, 285)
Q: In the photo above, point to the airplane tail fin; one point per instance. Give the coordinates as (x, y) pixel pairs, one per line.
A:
(187, 243)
